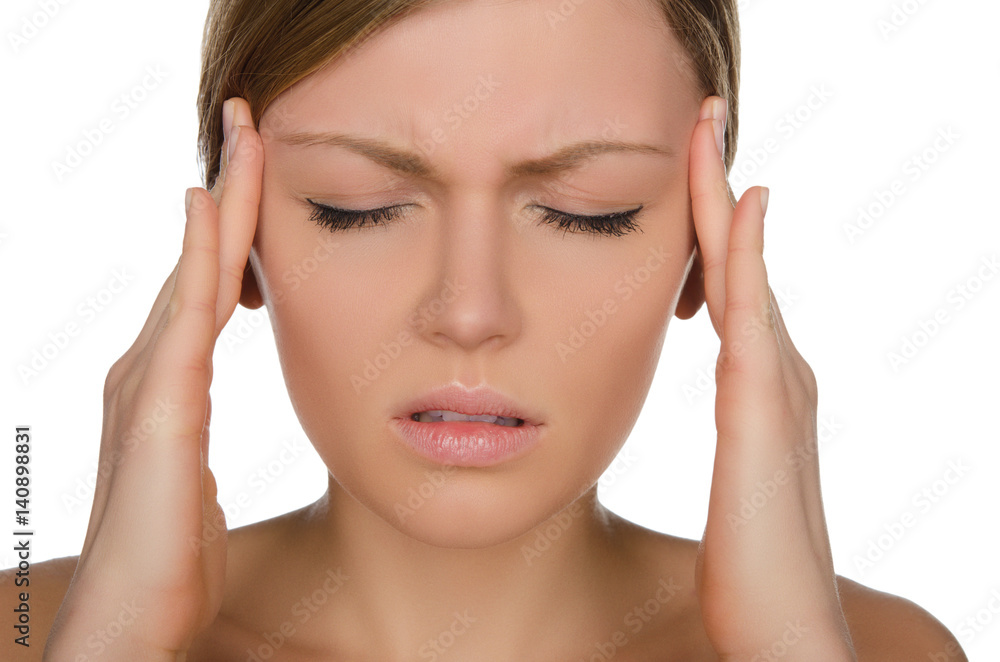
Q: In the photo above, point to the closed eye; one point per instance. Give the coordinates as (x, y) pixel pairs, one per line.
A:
(616, 224)
(334, 218)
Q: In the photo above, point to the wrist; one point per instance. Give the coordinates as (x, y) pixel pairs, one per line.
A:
(71, 649)
(74, 638)
(89, 627)
(798, 643)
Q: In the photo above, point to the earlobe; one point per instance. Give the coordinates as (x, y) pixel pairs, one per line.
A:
(250, 294)
(693, 293)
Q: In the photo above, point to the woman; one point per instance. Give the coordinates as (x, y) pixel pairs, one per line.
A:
(536, 167)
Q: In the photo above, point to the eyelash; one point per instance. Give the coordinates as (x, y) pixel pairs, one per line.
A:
(616, 225)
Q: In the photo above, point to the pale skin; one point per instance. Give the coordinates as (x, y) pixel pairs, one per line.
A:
(462, 552)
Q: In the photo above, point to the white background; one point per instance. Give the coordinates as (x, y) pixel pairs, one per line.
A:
(833, 111)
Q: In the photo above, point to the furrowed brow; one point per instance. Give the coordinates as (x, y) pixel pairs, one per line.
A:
(408, 162)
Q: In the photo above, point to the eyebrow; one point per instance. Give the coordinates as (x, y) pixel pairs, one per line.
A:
(410, 163)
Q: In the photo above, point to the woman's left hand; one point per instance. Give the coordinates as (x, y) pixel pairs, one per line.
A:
(764, 571)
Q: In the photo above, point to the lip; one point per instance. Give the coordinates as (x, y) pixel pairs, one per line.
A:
(467, 443)
(470, 401)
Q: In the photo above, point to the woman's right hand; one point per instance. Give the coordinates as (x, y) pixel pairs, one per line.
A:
(154, 557)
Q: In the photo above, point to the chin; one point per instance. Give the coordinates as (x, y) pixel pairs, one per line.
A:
(463, 508)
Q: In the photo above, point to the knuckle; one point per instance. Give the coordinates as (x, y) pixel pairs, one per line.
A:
(698, 196)
(114, 377)
(181, 304)
(129, 386)
(740, 305)
(811, 385)
(199, 306)
(122, 381)
(233, 272)
(201, 366)
(712, 263)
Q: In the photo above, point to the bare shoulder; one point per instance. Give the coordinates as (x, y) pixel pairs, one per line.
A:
(39, 593)
(889, 628)
(34, 596)
(884, 627)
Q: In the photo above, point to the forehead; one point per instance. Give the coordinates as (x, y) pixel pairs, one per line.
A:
(468, 78)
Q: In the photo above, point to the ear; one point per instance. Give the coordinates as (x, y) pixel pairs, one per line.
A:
(693, 293)
(250, 294)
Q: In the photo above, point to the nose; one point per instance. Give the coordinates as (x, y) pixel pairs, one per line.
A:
(471, 302)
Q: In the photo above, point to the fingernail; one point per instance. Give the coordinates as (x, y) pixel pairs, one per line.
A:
(720, 128)
(764, 193)
(720, 113)
(187, 199)
(227, 118)
(233, 139)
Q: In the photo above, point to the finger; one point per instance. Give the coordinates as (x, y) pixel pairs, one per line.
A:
(238, 206)
(153, 476)
(145, 343)
(751, 379)
(184, 347)
(179, 374)
(131, 362)
(220, 179)
(155, 318)
(750, 357)
(711, 205)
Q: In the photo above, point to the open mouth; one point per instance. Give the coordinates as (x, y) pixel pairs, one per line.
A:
(443, 415)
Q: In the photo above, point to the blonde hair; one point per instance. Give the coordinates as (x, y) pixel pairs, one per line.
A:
(255, 50)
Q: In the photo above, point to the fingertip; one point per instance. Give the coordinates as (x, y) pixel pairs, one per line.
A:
(713, 107)
(764, 193)
(705, 111)
(227, 116)
(748, 228)
(707, 172)
(190, 209)
(195, 201)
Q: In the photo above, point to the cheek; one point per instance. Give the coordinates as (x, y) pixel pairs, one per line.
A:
(607, 344)
(603, 334)
(325, 303)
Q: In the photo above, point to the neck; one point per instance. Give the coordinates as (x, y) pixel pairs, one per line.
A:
(410, 600)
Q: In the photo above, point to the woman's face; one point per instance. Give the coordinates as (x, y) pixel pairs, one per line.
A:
(483, 287)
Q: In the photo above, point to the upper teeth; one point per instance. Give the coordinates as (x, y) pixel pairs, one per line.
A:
(437, 415)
